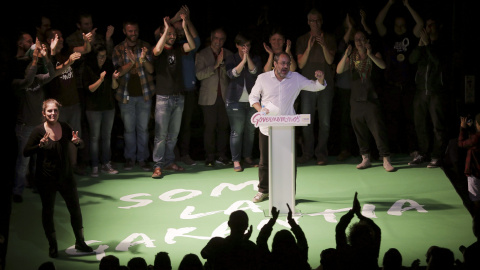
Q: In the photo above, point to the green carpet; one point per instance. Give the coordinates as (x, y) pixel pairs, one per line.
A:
(132, 215)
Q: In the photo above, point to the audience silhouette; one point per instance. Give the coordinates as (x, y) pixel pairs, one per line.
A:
(191, 262)
(288, 251)
(235, 251)
(361, 247)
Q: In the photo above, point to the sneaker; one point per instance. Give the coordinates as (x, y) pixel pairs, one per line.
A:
(144, 165)
(107, 168)
(128, 165)
(417, 160)
(260, 197)
(94, 171)
(187, 160)
(435, 163)
(224, 161)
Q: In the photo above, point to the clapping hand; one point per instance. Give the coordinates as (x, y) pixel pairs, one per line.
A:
(116, 75)
(289, 46)
(88, 37)
(348, 51)
(109, 33)
(219, 61)
(290, 219)
(53, 43)
(275, 213)
(73, 57)
(130, 55)
(356, 205)
(102, 76)
(320, 40)
(267, 48)
(247, 235)
(424, 38)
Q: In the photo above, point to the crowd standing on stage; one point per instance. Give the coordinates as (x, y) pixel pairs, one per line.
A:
(391, 83)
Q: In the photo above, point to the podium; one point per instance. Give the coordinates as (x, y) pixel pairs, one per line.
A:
(281, 157)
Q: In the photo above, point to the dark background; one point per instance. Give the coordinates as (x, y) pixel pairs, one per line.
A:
(459, 18)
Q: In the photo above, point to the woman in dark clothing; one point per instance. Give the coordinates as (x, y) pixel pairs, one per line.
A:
(242, 69)
(100, 80)
(365, 112)
(51, 142)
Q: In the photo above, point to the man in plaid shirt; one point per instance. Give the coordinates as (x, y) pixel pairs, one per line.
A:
(133, 60)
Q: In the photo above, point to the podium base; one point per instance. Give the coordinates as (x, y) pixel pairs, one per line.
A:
(268, 213)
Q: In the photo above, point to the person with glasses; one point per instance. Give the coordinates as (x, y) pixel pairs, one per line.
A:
(100, 82)
(316, 51)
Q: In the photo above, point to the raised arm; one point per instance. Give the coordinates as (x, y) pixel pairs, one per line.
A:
(303, 57)
(288, 50)
(344, 63)
(363, 21)
(269, 64)
(109, 40)
(298, 232)
(157, 50)
(190, 45)
(418, 19)
(86, 47)
(379, 21)
(266, 231)
(376, 58)
(348, 32)
(60, 68)
(329, 54)
(232, 70)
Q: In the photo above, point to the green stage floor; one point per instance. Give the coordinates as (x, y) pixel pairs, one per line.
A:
(132, 215)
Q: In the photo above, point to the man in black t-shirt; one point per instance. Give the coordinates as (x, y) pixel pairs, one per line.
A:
(170, 100)
(398, 88)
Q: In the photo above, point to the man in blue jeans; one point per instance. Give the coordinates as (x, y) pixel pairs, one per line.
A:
(133, 60)
(169, 90)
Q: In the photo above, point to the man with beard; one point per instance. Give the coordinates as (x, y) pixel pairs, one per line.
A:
(279, 87)
(170, 100)
(133, 59)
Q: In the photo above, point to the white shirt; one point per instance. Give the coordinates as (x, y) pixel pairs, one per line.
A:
(283, 93)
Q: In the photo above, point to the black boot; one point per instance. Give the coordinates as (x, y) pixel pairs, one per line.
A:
(80, 244)
(52, 246)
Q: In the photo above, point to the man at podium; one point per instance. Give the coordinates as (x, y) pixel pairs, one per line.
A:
(274, 93)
